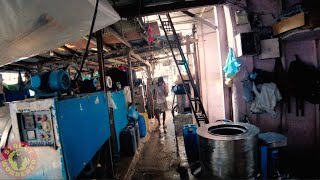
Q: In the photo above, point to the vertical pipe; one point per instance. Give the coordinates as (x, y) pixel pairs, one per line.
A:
(101, 61)
(130, 75)
(40, 67)
(103, 84)
(195, 59)
(150, 102)
(317, 123)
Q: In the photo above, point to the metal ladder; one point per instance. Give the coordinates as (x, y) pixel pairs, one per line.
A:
(174, 43)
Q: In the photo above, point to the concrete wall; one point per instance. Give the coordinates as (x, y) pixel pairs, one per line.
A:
(210, 71)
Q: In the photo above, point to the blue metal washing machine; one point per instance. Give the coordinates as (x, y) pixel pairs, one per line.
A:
(65, 134)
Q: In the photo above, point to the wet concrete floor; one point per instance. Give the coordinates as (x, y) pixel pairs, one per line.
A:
(158, 158)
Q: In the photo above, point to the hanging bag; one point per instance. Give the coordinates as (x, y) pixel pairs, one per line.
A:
(232, 66)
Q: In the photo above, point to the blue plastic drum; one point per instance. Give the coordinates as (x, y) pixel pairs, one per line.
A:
(142, 126)
(191, 142)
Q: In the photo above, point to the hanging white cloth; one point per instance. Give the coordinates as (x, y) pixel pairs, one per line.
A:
(266, 99)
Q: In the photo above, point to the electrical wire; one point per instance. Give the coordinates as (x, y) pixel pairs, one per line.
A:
(89, 39)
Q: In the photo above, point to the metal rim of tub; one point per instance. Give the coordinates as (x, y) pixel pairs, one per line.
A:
(227, 131)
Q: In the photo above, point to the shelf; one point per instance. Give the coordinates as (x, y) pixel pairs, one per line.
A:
(302, 35)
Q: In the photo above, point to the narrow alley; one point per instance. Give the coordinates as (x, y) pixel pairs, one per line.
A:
(159, 159)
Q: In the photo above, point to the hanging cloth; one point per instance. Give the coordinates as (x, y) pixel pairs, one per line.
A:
(266, 99)
(232, 66)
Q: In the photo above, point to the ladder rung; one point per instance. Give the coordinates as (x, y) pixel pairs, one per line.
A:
(198, 115)
(194, 99)
(174, 44)
(186, 80)
(181, 62)
(201, 118)
(167, 26)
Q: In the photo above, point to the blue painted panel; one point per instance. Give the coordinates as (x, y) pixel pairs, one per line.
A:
(120, 113)
(84, 127)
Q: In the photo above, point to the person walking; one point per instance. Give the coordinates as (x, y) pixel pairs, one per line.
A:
(160, 95)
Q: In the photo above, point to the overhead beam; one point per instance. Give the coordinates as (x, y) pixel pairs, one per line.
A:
(138, 58)
(118, 36)
(135, 10)
(62, 56)
(94, 41)
(200, 19)
(125, 42)
(72, 51)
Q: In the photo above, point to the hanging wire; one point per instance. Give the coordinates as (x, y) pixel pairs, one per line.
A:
(89, 39)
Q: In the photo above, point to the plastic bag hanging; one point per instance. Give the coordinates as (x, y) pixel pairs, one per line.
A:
(132, 113)
(232, 66)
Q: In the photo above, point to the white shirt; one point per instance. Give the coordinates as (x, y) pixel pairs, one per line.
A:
(161, 92)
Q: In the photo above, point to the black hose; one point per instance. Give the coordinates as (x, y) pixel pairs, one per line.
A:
(89, 39)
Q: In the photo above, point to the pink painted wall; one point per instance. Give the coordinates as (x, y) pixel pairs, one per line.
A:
(210, 68)
(302, 132)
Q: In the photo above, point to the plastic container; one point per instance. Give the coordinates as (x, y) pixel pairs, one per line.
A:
(132, 113)
(142, 126)
(145, 115)
(191, 142)
(135, 125)
(128, 142)
(179, 90)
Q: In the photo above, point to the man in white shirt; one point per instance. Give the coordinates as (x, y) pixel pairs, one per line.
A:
(160, 95)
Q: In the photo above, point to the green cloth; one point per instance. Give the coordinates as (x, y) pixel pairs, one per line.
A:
(11, 87)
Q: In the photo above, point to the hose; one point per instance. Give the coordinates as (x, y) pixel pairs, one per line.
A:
(89, 39)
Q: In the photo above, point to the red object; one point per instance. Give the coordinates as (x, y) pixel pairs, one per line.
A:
(122, 68)
(44, 118)
(150, 32)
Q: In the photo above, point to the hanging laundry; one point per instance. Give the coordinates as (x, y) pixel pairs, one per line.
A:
(267, 95)
(304, 83)
(247, 86)
(232, 66)
(150, 35)
(259, 76)
(122, 68)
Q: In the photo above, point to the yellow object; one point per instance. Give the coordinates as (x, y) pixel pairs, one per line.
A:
(145, 115)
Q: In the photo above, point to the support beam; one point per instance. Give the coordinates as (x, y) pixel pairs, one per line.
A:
(74, 52)
(135, 10)
(40, 67)
(195, 58)
(94, 41)
(118, 36)
(214, 27)
(130, 75)
(101, 61)
(138, 58)
(62, 56)
(220, 19)
(142, 25)
(125, 42)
